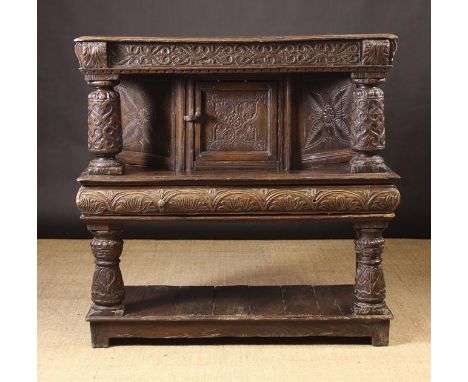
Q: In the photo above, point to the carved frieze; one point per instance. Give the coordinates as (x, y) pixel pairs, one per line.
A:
(91, 54)
(294, 55)
(208, 201)
(317, 53)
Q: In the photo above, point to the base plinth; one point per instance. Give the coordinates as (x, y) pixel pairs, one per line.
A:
(105, 166)
(238, 311)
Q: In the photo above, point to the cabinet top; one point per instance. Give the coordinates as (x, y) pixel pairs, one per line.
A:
(372, 53)
(247, 39)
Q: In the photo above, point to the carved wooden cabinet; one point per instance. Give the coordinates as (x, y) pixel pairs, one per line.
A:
(242, 129)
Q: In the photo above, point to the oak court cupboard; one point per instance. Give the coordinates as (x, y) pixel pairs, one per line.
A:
(245, 129)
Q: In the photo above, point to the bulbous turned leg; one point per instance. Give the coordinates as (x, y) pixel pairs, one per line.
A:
(367, 126)
(104, 129)
(107, 291)
(369, 287)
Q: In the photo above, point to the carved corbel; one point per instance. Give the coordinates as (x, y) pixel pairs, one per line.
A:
(377, 52)
(91, 54)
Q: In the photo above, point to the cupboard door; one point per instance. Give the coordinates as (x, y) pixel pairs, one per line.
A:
(236, 124)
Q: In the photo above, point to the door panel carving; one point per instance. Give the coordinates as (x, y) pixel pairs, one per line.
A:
(238, 124)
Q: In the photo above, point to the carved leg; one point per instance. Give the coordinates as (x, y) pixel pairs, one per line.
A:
(367, 126)
(369, 287)
(104, 129)
(107, 291)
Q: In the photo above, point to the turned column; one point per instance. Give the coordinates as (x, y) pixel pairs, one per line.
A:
(104, 128)
(367, 123)
(369, 286)
(107, 290)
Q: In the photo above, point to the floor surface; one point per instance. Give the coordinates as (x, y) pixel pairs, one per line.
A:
(65, 270)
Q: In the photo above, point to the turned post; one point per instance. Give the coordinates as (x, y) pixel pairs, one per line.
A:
(107, 290)
(369, 286)
(104, 128)
(367, 123)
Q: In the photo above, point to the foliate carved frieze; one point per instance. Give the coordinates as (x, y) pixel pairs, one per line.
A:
(225, 56)
(317, 53)
(367, 119)
(209, 201)
(91, 55)
(376, 52)
(104, 129)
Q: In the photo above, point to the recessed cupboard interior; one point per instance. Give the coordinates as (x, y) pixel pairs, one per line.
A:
(193, 123)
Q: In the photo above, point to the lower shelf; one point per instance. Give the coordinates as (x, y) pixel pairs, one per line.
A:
(237, 311)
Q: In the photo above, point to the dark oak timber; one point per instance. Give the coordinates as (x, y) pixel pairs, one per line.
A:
(265, 128)
(239, 311)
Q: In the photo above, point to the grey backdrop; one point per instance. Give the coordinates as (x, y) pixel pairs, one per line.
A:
(62, 93)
